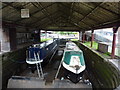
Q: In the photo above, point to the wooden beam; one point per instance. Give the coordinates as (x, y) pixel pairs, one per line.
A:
(91, 11)
(39, 10)
(38, 20)
(76, 24)
(77, 12)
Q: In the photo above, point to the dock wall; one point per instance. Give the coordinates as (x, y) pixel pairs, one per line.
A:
(102, 73)
(12, 62)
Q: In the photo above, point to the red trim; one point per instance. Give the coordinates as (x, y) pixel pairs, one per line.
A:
(113, 46)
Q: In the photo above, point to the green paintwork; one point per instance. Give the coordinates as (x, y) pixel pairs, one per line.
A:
(69, 54)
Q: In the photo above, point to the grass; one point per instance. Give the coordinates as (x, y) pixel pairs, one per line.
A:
(74, 39)
(95, 44)
(107, 54)
(45, 39)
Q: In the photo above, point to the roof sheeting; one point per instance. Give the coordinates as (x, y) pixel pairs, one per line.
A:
(49, 15)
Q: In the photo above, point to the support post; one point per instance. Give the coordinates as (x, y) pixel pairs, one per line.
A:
(45, 34)
(80, 36)
(92, 37)
(13, 40)
(40, 35)
(115, 29)
(37, 36)
(83, 37)
(5, 39)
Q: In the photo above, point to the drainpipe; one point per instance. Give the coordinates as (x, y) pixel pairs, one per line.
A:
(92, 37)
(115, 29)
(83, 37)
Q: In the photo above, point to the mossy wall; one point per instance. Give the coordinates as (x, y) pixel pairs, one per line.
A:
(102, 73)
(12, 62)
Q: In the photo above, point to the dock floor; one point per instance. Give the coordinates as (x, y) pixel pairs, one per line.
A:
(49, 80)
(39, 83)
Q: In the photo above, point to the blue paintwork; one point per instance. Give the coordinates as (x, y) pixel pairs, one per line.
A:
(44, 49)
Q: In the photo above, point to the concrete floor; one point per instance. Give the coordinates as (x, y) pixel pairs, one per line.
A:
(31, 80)
(39, 83)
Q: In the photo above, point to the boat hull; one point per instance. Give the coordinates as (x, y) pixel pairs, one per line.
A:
(75, 78)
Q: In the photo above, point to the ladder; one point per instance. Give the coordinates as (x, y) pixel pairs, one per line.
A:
(36, 60)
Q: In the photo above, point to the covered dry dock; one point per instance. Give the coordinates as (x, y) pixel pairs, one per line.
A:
(23, 21)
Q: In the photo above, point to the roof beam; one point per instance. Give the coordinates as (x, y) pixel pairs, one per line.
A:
(77, 11)
(110, 11)
(73, 23)
(45, 12)
(10, 4)
(109, 24)
(38, 20)
(5, 6)
(91, 11)
(76, 20)
(39, 10)
(17, 9)
(104, 9)
(44, 24)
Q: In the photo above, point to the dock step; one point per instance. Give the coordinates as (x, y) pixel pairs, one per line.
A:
(33, 82)
(25, 82)
(68, 84)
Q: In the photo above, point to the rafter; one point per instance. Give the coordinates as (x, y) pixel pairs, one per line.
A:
(45, 12)
(72, 22)
(43, 24)
(105, 9)
(91, 11)
(38, 20)
(5, 6)
(39, 10)
(10, 4)
(18, 9)
(77, 12)
(76, 20)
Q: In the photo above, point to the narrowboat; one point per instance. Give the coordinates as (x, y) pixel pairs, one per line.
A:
(73, 62)
(40, 55)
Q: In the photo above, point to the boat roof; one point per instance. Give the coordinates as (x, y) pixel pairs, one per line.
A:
(41, 45)
(71, 46)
